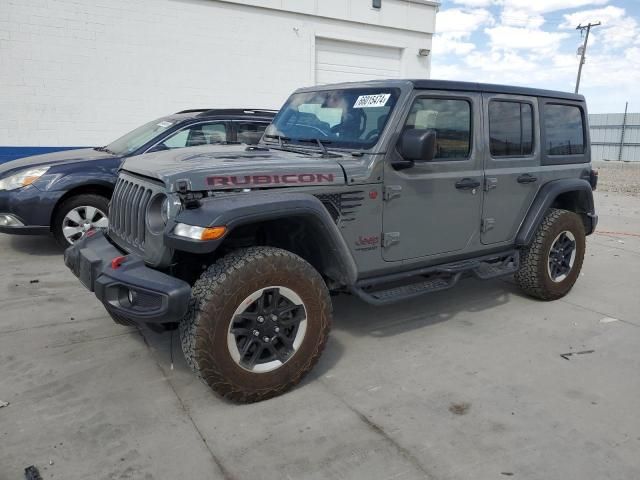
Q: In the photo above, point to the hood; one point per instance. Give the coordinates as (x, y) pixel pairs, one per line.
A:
(234, 166)
(54, 158)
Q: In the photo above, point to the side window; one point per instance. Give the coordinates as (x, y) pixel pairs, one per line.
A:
(201, 134)
(214, 132)
(510, 128)
(250, 132)
(178, 140)
(451, 119)
(564, 130)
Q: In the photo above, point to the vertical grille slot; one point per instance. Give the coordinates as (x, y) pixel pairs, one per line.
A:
(142, 213)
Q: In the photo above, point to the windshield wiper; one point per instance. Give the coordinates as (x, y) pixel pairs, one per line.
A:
(286, 147)
(104, 149)
(321, 144)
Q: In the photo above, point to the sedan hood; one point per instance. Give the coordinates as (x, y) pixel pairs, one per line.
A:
(50, 159)
(235, 166)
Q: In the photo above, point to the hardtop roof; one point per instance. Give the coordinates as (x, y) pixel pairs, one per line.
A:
(451, 85)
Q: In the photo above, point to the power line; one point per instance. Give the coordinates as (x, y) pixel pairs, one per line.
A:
(582, 28)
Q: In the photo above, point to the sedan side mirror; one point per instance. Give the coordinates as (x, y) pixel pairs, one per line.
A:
(418, 145)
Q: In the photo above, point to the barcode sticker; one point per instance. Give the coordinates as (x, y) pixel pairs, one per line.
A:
(368, 101)
(165, 124)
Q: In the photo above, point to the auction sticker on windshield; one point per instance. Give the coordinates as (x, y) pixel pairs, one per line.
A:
(165, 124)
(368, 101)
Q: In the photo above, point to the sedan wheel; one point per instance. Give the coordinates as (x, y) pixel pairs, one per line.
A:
(80, 220)
(76, 215)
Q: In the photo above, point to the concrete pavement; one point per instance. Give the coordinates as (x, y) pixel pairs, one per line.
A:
(463, 384)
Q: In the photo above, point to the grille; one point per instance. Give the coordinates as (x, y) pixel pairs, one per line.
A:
(146, 301)
(128, 210)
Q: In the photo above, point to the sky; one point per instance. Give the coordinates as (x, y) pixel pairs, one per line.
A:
(534, 43)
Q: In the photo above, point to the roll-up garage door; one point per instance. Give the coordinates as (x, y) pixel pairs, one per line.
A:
(340, 61)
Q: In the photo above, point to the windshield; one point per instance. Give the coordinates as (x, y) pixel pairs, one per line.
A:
(138, 137)
(350, 118)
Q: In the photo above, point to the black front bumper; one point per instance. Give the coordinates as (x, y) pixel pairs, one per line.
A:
(157, 297)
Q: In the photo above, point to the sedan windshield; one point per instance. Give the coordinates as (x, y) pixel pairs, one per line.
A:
(349, 118)
(138, 137)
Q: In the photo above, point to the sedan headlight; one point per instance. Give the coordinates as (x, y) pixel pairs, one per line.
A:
(22, 178)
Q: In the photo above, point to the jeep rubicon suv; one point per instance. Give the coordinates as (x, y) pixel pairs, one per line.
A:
(385, 189)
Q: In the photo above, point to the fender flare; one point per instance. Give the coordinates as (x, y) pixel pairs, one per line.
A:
(545, 198)
(237, 210)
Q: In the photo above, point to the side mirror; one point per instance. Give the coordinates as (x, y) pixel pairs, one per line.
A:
(418, 145)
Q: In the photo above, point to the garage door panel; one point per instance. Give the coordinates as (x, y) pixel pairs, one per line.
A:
(340, 61)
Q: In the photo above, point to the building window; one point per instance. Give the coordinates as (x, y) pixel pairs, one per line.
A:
(451, 119)
(510, 129)
(564, 130)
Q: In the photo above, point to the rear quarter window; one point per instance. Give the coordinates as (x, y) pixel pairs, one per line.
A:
(565, 135)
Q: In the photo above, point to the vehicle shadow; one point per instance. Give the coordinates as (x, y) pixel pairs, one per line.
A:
(470, 295)
(40, 245)
(357, 318)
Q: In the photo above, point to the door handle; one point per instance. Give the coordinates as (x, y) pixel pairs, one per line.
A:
(527, 178)
(467, 184)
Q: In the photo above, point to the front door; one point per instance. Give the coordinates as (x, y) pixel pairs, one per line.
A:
(512, 164)
(434, 207)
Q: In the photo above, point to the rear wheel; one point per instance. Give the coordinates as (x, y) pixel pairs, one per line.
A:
(77, 215)
(551, 264)
(258, 321)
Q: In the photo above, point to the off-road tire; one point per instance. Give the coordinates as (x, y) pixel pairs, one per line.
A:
(85, 199)
(216, 295)
(533, 276)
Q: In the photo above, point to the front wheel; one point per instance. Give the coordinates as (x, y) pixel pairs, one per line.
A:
(551, 264)
(257, 322)
(77, 215)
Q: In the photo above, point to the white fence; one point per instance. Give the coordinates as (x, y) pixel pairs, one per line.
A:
(615, 136)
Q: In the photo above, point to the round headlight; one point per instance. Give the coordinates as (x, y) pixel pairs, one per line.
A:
(164, 210)
(158, 213)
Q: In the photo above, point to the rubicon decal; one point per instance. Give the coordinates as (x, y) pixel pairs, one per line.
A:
(286, 179)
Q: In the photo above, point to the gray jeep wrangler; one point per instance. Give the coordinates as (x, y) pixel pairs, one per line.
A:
(385, 190)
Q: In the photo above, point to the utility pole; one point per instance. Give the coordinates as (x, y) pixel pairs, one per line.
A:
(582, 28)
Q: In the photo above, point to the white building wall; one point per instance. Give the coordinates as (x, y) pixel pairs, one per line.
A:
(76, 72)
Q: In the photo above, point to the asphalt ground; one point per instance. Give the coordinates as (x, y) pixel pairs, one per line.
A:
(470, 383)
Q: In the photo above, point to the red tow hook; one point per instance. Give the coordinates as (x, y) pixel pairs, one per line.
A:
(116, 262)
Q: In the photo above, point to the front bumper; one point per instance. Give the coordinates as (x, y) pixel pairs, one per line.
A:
(9, 223)
(132, 290)
(29, 209)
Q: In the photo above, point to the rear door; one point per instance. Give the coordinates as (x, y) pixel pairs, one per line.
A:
(434, 207)
(512, 164)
